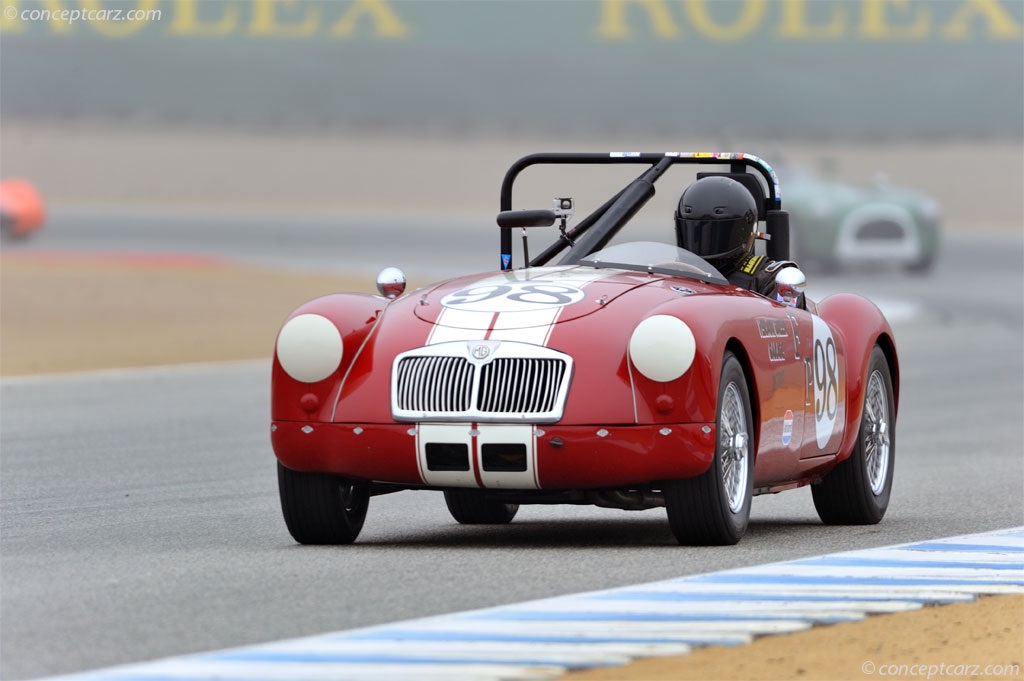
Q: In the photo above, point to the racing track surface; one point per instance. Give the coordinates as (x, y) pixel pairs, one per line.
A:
(140, 515)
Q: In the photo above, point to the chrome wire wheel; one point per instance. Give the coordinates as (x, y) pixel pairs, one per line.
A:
(713, 508)
(735, 444)
(857, 490)
(876, 433)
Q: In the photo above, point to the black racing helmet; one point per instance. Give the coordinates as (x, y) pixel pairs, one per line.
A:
(716, 219)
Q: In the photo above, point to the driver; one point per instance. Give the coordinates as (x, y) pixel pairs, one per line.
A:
(716, 219)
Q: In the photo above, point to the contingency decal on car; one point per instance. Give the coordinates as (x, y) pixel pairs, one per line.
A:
(826, 382)
(511, 306)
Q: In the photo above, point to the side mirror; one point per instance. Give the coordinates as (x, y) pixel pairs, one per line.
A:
(391, 282)
(790, 284)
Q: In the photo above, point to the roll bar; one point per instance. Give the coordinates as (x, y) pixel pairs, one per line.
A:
(627, 202)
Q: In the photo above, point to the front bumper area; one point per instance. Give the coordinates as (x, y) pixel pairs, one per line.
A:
(496, 456)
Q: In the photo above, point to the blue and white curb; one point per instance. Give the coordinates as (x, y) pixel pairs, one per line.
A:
(544, 639)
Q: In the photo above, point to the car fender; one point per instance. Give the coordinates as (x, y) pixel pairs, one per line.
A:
(355, 315)
(862, 325)
(716, 328)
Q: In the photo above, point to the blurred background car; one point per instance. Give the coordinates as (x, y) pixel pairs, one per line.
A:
(21, 208)
(836, 223)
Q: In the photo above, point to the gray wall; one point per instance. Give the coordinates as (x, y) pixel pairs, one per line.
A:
(847, 69)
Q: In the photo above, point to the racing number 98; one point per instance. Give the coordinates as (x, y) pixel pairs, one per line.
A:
(536, 294)
(826, 379)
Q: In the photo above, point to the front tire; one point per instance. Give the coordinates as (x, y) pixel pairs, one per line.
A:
(856, 492)
(322, 509)
(470, 507)
(713, 509)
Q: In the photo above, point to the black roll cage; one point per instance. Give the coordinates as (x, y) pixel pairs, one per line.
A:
(593, 232)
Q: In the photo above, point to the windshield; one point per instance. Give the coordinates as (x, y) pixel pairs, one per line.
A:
(651, 256)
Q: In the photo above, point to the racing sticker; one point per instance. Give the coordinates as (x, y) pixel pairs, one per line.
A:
(787, 427)
(825, 376)
(513, 296)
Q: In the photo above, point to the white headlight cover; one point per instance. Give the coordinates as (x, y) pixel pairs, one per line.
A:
(662, 348)
(309, 348)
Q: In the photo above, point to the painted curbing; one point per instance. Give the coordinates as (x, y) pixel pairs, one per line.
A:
(543, 639)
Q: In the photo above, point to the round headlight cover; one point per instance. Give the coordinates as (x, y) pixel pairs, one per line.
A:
(309, 348)
(662, 348)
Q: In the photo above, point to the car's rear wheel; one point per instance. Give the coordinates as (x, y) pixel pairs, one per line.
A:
(322, 509)
(856, 492)
(471, 507)
(714, 508)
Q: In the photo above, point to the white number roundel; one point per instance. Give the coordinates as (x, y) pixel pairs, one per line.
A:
(513, 296)
(826, 383)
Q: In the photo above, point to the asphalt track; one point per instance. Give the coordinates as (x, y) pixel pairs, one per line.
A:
(140, 517)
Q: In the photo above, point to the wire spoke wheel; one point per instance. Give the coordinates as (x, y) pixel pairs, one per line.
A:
(857, 490)
(714, 507)
(735, 445)
(876, 444)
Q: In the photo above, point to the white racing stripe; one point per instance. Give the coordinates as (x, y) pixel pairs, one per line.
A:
(502, 320)
(542, 639)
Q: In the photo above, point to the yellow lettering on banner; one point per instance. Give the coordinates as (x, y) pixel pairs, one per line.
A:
(747, 22)
(386, 22)
(265, 20)
(187, 21)
(125, 26)
(615, 26)
(794, 22)
(10, 20)
(998, 21)
(874, 24)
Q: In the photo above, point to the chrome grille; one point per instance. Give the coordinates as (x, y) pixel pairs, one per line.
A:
(435, 384)
(502, 381)
(518, 385)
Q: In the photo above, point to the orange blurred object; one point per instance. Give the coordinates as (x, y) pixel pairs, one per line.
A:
(21, 208)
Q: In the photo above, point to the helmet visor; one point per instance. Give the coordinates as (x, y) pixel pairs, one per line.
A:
(713, 239)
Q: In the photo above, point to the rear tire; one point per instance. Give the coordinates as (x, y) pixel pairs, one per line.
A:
(471, 507)
(713, 509)
(856, 492)
(322, 509)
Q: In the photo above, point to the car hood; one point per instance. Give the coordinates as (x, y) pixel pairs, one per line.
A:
(522, 299)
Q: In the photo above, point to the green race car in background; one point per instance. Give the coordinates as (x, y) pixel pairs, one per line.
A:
(833, 223)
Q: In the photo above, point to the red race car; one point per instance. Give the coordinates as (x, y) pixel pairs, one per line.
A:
(21, 208)
(630, 375)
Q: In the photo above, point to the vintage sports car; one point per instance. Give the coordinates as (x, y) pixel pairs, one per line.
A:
(21, 208)
(836, 224)
(630, 375)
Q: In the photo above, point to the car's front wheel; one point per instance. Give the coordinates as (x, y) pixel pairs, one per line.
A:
(856, 492)
(322, 509)
(471, 507)
(714, 508)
